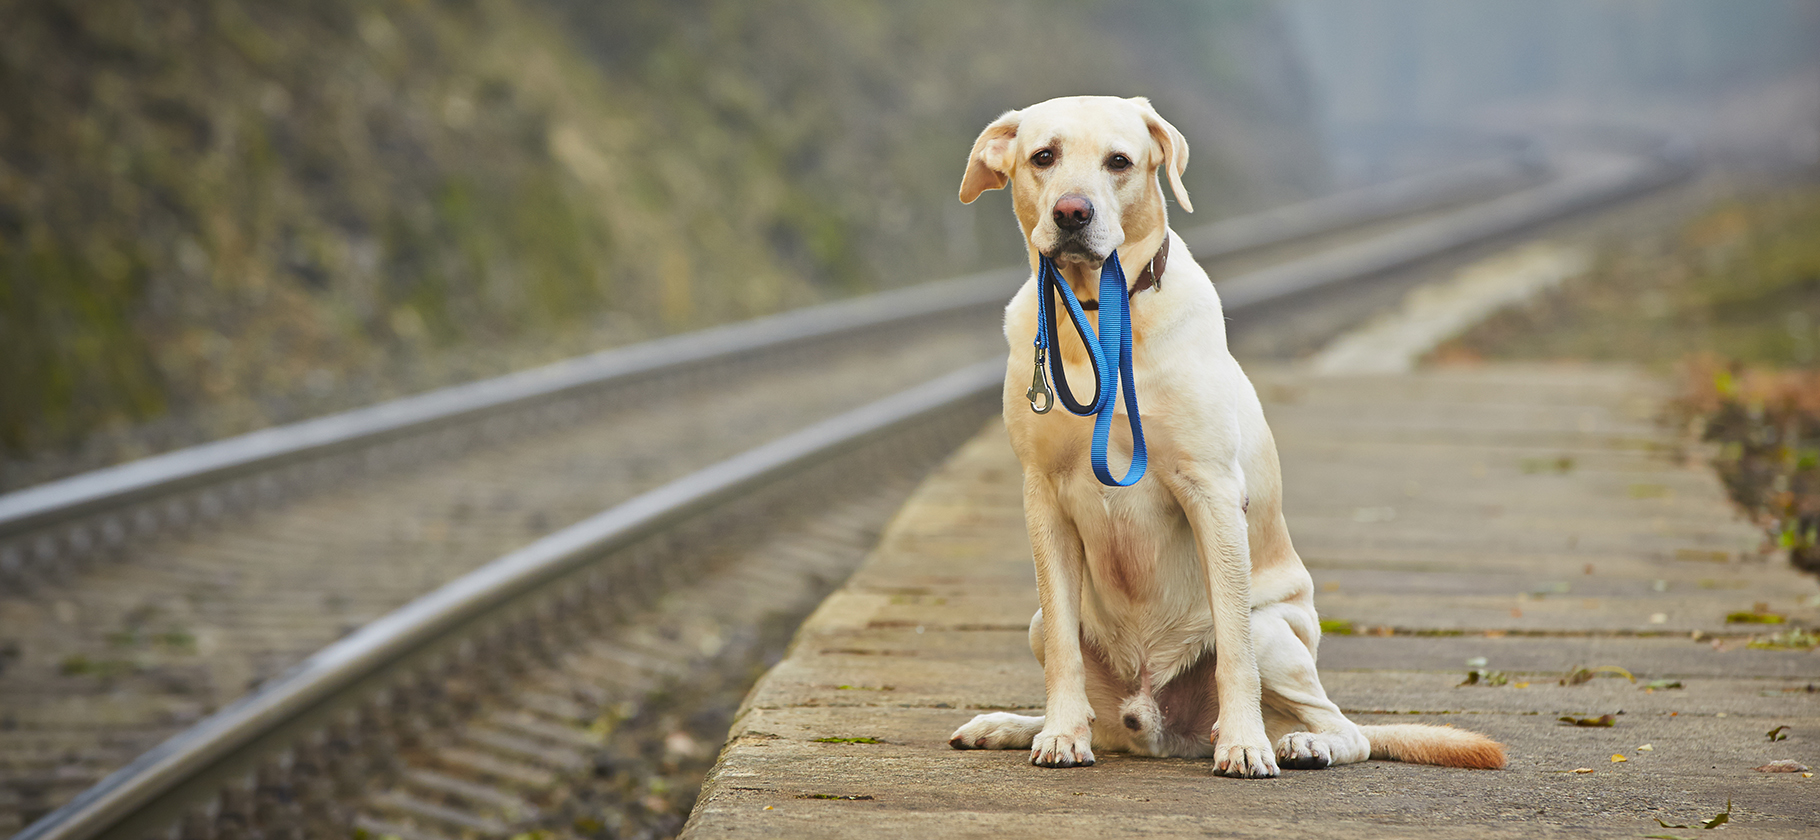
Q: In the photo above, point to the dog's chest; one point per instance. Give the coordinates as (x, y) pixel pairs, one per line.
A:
(1138, 546)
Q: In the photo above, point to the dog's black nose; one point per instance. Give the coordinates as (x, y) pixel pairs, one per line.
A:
(1073, 212)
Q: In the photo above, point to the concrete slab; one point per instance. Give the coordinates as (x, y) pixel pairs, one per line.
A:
(1540, 519)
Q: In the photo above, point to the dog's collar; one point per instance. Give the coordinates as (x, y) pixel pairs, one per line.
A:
(1150, 278)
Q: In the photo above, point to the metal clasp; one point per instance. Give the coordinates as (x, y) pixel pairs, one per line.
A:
(1039, 387)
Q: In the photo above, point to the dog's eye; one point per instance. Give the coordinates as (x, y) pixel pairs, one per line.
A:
(1043, 158)
(1118, 163)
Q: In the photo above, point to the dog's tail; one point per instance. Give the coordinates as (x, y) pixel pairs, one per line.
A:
(1443, 745)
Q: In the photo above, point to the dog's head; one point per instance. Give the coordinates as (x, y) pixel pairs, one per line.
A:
(1083, 172)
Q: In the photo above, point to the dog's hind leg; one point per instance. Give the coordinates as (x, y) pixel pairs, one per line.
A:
(1003, 730)
(1310, 732)
(997, 731)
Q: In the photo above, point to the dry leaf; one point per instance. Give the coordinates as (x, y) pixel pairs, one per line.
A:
(1646, 748)
(1580, 675)
(1619, 757)
(1582, 770)
(1782, 766)
(1718, 819)
(1602, 720)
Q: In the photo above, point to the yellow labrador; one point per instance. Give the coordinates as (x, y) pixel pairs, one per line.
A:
(1176, 618)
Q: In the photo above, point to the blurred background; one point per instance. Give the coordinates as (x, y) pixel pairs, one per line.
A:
(215, 216)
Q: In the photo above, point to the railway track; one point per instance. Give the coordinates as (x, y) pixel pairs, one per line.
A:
(540, 686)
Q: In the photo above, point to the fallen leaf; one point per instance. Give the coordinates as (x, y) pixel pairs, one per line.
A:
(1783, 766)
(1602, 720)
(1645, 748)
(1618, 757)
(1718, 819)
(1580, 675)
(1663, 685)
(1479, 675)
(1780, 733)
(1582, 770)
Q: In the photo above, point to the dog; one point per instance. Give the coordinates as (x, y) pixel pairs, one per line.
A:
(1175, 618)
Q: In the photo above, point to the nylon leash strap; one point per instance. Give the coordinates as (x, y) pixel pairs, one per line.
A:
(1110, 345)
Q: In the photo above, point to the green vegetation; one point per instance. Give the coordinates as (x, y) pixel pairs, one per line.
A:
(220, 216)
(1336, 627)
(1731, 298)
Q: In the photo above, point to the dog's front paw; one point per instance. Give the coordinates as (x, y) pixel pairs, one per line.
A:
(996, 731)
(1303, 751)
(1243, 755)
(1071, 747)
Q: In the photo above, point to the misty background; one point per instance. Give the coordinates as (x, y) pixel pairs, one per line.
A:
(219, 216)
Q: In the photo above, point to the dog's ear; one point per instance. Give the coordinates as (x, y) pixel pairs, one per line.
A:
(1175, 150)
(989, 166)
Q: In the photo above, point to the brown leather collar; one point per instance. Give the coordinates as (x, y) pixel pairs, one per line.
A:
(1149, 278)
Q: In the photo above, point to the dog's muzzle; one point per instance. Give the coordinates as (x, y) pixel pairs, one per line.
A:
(1073, 215)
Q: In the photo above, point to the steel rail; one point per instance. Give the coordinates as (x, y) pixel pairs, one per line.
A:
(460, 603)
(1500, 216)
(129, 800)
(56, 501)
(1404, 196)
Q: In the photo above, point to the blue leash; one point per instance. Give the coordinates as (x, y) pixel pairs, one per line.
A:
(1112, 339)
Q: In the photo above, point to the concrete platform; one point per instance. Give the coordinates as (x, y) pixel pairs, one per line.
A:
(1540, 518)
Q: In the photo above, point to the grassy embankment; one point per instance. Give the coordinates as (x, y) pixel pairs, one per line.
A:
(218, 216)
(1730, 303)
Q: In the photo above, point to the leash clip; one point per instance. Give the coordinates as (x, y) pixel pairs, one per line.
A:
(1039, 387)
